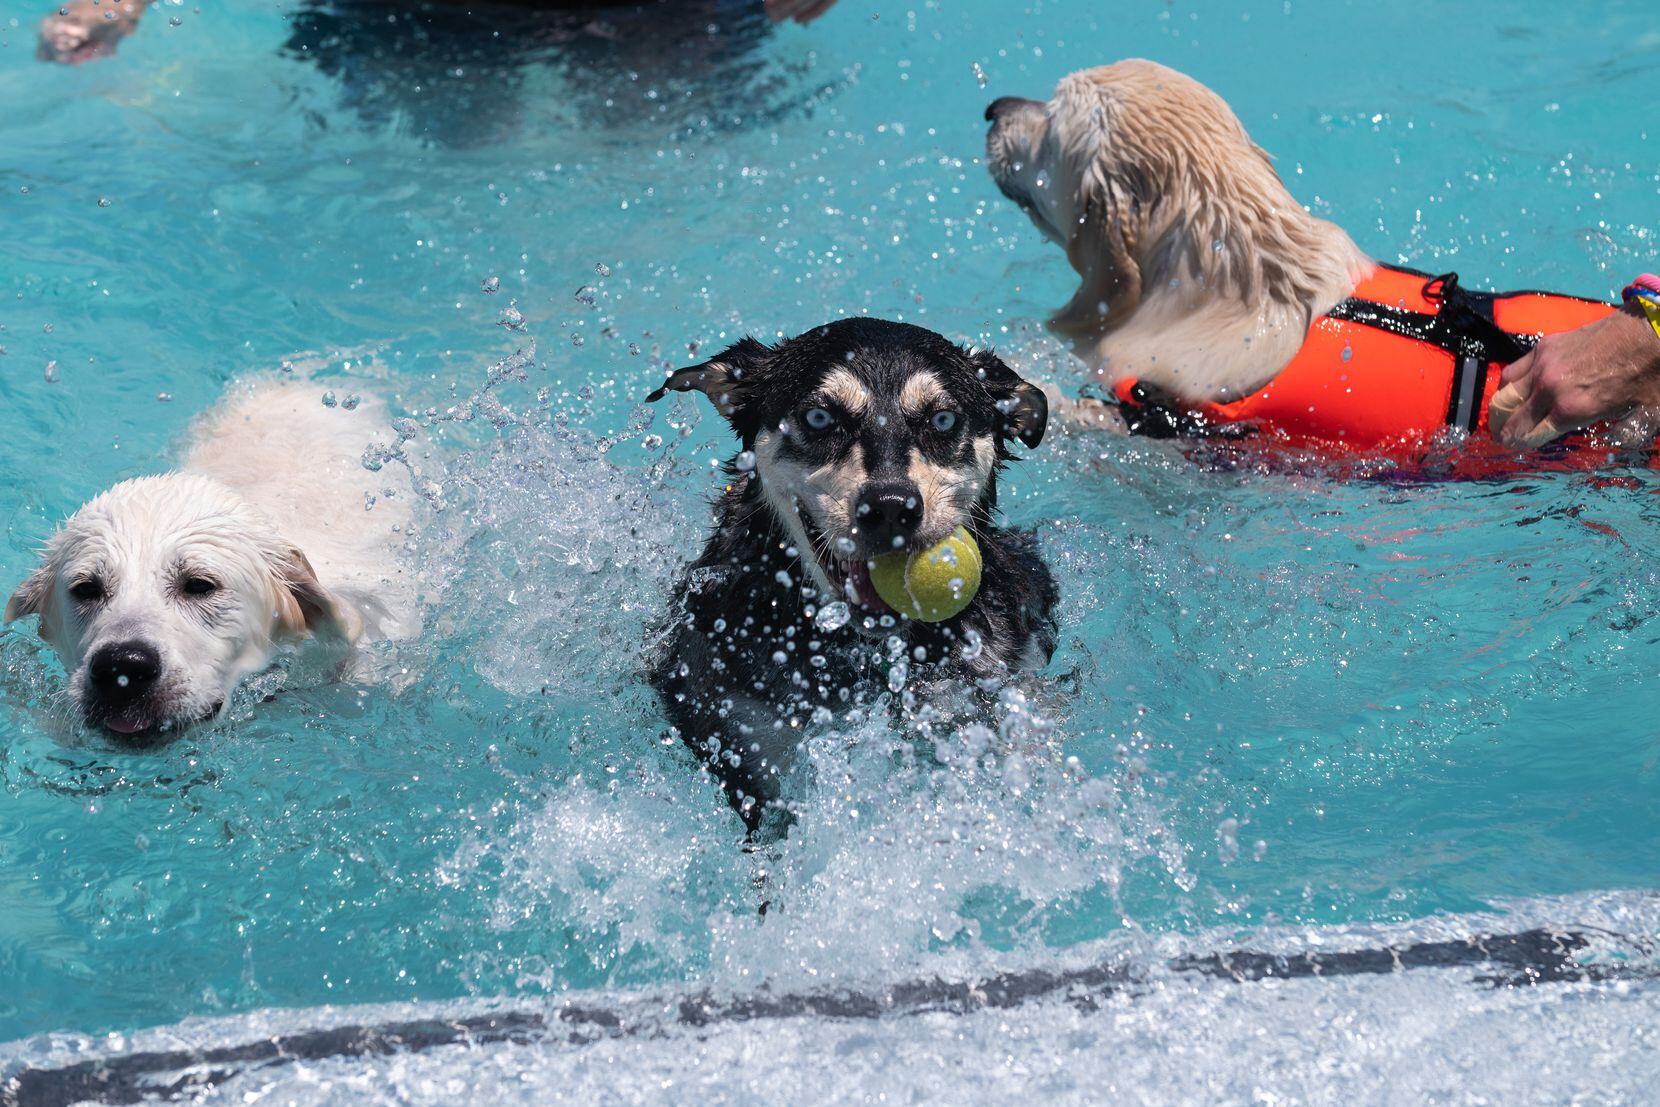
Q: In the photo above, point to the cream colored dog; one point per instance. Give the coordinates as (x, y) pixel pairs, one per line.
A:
(161, 593)
(1200, 273)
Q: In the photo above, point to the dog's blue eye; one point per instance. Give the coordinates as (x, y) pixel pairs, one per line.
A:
(818, 419)
(944, 421)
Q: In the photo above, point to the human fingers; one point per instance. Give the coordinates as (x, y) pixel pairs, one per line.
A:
(780, 10)
(1546, 430)
(1505, 403)
(1533, 408)
(1524, 366)
(814, 9)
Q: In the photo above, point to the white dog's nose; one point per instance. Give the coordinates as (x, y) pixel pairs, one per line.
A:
(123, 671)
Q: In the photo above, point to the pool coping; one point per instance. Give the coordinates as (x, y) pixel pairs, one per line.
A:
(1524, 958)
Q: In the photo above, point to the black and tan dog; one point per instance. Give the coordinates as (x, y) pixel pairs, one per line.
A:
(858, 437)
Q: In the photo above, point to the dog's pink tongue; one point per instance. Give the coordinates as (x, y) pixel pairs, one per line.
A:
(127, 724)
(858, 575)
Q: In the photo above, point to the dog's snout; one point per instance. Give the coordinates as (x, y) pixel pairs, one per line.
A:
(1003, 104)
(888, 514)
(123, 671)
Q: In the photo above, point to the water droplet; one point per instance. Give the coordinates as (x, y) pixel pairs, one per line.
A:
(103, 201)
(979, 75)
(122, 680)
(1227, 840)
(1347, 353)
(174, 21)
(164, 397)
(51, 372)
(745, 461)
(898, 673)
(490, 285)
(586, 295)
(350, 402)
(783, 578)
(602, 269)
(328, 399)
(832, 616)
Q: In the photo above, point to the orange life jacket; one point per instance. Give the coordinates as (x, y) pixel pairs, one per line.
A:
(1404, 356)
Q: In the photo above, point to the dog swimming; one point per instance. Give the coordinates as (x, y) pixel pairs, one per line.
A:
(860, 440)
(1210, 300)
(163, 592)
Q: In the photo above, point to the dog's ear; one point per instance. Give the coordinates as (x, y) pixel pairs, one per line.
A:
(1023, 409)
(730, 379)
(31, 596)
(304, 606)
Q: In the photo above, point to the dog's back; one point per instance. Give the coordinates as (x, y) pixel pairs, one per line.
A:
(299, 461)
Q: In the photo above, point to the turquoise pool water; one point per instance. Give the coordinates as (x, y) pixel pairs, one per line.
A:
(1283, 701)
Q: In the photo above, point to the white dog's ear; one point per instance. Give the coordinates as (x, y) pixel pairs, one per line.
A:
(304, 606)
(1102, 249)
(30, 597)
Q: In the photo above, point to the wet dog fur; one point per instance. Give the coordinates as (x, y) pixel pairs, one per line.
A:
(161, 593)
(858, 437)
(1199, 273)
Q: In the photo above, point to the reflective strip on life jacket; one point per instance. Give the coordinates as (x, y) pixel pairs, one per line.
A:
(1405, 355)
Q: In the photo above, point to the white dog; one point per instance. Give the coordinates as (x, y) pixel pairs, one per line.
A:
(1200, 273)
(1207, 291)
(163, 592)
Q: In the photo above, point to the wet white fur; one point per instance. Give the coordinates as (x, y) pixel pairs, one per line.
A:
(1199, 271)
(270, 504)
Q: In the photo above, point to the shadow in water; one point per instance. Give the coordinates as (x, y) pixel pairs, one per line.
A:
(469, 74)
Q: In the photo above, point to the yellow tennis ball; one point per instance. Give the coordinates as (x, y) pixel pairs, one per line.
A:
(930, 585)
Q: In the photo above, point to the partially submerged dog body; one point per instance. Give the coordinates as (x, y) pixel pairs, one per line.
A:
(162, 592)
(1211, 301)
(859, 437)
(1200, 272)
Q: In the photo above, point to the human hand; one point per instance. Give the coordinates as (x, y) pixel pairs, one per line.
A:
(1604, 370)
(81, 30)
(802, 11)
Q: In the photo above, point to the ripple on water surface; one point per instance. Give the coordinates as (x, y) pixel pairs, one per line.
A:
(1284, 698)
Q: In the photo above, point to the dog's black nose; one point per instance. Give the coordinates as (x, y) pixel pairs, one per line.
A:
(123, 671)
(1002, 104)
(887, 514)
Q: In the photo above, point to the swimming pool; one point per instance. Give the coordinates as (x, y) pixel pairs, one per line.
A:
(1289, 712)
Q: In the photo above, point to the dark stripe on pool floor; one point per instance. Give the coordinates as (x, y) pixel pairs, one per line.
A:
(1524, 958)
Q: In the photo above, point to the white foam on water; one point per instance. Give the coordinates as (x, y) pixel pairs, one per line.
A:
(1455, 1035)
(557, 556)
